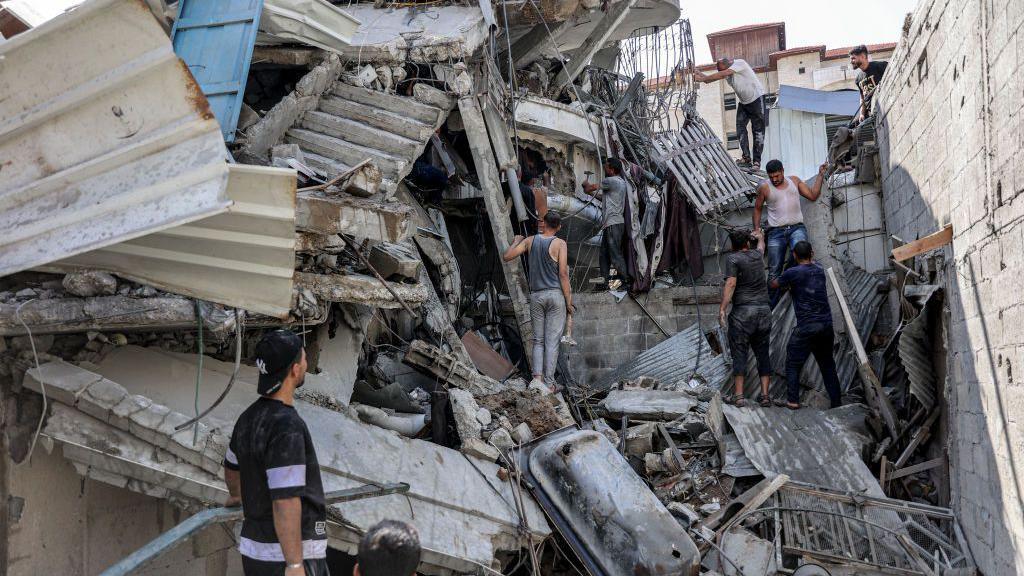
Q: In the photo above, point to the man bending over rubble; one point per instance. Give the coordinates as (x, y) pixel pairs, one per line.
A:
(813, 333)
(271, 469)
(781, 194)
(550, 293)
(389, 548)
(750, 322)
(750, 104)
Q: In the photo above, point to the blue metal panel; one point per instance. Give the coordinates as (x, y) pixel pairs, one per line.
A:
(215, 38)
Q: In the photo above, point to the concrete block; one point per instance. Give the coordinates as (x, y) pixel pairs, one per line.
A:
(432, 96)
(395, 260)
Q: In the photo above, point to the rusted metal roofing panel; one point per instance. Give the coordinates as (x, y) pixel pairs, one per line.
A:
(104, 136)
(243, 258)
(681, 357)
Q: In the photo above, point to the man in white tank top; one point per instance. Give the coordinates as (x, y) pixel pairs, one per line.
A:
(781, 195)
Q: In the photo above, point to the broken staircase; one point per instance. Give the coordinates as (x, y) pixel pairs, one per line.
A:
(352, 124)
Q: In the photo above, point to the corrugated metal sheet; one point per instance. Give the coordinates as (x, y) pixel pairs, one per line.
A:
(839, 102)
(915, 357)
(313, 22)
(797, 139)
(216, 40)
(243, 258)
(673, 360)
(104, 136)
(864, 300)
(809, 446)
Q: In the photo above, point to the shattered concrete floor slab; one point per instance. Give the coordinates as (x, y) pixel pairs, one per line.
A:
(472, 512)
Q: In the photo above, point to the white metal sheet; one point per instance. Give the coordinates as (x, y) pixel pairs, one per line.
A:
(104, 136)
(313, 22)
(797, 139)
(243, 258)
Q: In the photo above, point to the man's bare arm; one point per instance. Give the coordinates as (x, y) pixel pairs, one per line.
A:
(519, 246)
(591, 187)
(234, 482)
(759, 234)
(288, 525)
(774, 284)
(727, 292)
(812, 193)
(762, 195)
(563, 275)
(707, 78)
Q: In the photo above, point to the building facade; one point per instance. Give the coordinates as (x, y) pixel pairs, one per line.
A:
(763, 46)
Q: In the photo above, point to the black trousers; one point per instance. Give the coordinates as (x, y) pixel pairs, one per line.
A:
(755, 114)
(750, 327)
(252, 567)
(816, 339)
(611, 252)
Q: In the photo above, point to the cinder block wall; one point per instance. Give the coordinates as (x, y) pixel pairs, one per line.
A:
(952, 151)
(611, 333)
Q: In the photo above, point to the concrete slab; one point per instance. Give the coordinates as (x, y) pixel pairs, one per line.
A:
(647, 404)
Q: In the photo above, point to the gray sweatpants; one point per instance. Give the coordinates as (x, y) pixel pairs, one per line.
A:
(547, 313)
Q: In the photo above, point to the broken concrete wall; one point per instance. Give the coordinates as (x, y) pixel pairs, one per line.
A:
(950, 144)
(610, 333)
(76, 526)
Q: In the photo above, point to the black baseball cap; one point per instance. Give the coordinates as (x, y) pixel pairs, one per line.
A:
(275, 353)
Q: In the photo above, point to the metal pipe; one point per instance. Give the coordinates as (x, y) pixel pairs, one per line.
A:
(517, 195)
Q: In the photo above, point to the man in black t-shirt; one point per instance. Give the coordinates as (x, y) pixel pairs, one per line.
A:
(271, 469)
(750, 322)
(869, 75)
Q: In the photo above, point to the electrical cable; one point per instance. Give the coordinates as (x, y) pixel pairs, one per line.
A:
(199, 372)
(239, 319)
(39, 374)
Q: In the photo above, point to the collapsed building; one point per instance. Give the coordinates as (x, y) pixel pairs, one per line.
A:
(353, 173)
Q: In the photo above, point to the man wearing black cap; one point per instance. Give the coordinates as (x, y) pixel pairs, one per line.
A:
(271, 468)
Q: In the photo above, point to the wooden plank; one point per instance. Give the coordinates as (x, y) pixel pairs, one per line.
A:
(759, 494)
(497, 210)
(920, 436)
(926, 244)
(927, 465)
(883, 405)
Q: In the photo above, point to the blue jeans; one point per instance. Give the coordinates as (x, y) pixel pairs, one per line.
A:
(779, 243)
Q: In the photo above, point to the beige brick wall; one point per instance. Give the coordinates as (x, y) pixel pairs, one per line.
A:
(951, 151)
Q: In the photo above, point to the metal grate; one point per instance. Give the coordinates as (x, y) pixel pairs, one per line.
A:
(706, 174)
(892, 535)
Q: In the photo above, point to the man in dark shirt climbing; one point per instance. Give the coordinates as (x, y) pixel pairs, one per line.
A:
(869, 75)
(750, 322)
(271, 468)
(813, 333)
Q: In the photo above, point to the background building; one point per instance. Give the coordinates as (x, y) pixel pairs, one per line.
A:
(763, 46)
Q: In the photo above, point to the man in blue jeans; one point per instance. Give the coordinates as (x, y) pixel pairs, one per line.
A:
(780, 194)
(813, 333)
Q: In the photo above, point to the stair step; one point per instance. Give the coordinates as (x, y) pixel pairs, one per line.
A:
(346, 152)
(359, 133)
(332, 168)
(406, 107)
(376, 117)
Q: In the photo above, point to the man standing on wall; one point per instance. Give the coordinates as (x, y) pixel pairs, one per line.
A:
(869, 75)
(750, 104)
(781, 194)
(750, 322)
(271, 468)
(813, 333)
(613, 222)
(550, 293)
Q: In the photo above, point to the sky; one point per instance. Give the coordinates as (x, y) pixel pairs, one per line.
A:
(808, 22)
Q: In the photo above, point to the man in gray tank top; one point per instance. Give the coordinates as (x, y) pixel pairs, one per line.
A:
(550, 294)
(781, 195)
